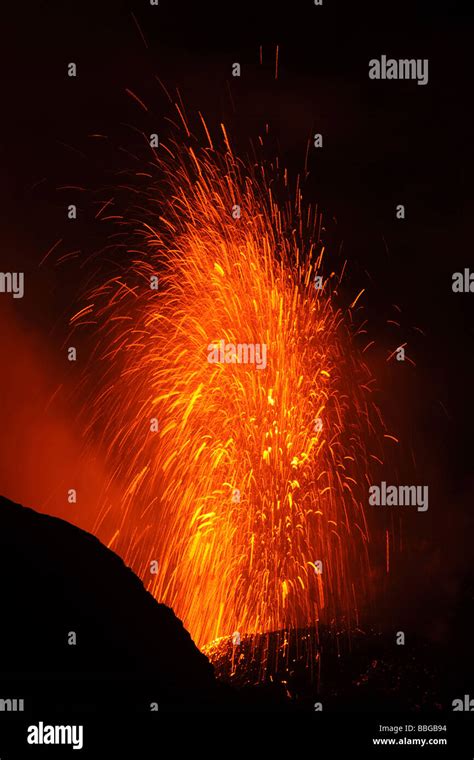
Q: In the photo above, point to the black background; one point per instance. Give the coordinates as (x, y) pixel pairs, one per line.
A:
(385, 143)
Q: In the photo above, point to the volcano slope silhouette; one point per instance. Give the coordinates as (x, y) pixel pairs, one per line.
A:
(130, 650)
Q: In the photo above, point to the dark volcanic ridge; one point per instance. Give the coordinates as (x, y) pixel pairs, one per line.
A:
(358, 670)
(132, 651)
(58, 579)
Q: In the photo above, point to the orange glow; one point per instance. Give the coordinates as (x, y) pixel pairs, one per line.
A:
(226, 564)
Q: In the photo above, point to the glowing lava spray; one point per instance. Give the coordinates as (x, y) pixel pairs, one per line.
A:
(243, 483)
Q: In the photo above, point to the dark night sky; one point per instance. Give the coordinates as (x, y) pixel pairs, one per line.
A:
(384, 143)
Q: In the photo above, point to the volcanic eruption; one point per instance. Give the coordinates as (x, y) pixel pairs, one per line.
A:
(241, 487)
